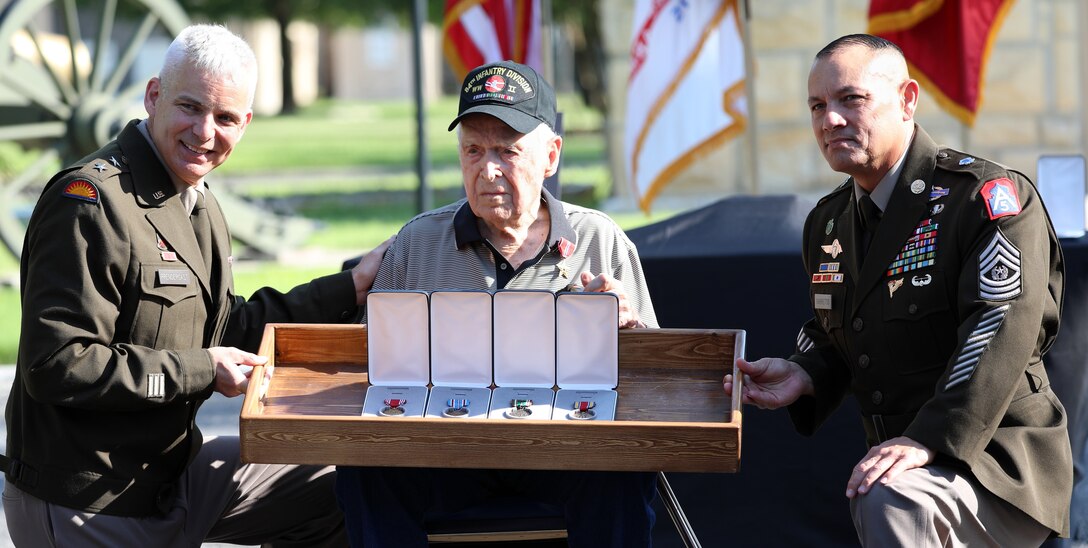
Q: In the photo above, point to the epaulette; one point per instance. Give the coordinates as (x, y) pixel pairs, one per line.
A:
(982, 169)
(843, 186)
(82, 181)
(101, 168)
(950, 159)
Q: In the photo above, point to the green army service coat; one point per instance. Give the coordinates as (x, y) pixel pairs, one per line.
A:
(940, 329)
(118, 307)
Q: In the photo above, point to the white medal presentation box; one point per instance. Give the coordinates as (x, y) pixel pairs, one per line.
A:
(671, 414)
(460, 354)
(524, 346)
(587, 356)
(398, 357)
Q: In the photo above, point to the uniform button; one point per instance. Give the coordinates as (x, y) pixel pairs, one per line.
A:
(503, 266)
(858, 324)
(345, 315)
(877, 397)
(913, 308)
(827, 323)
(942, 155)
(863, 361)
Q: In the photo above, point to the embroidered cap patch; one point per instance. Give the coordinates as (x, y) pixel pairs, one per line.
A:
(1001, 198)
(81, 189)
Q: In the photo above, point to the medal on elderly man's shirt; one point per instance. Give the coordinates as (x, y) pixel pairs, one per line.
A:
(583, 410)
(393, 408)
(520, 409)
(456, 407)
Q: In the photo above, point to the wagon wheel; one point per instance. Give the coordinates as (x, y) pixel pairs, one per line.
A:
(61, 96)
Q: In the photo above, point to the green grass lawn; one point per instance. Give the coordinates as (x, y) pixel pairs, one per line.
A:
(369, 150)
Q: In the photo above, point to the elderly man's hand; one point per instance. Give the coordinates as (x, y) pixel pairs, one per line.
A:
(363, 273)
(603, 283)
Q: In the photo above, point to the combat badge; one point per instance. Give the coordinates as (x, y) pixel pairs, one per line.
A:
(1001, 198)
(82, 189)
(893, 286)
(834, 249)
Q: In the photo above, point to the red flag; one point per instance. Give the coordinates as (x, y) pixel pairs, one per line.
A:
(947, 44)
(477, 32)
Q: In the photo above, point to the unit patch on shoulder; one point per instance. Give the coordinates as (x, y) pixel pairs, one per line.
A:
(82, 189)
(1001, 198)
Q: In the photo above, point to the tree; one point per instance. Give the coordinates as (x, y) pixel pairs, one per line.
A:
(328, 12)
(579, 17)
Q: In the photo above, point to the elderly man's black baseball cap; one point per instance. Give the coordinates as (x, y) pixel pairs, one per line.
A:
(509, 91)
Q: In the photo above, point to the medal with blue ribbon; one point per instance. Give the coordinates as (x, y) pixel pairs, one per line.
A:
(456, 407)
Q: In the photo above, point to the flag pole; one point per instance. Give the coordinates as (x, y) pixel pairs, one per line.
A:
(424, 198)
(547, 45)
(751, 147)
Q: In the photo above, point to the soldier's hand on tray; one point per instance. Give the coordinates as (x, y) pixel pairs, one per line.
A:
(233, 368)
(770, 383)
(603, 283)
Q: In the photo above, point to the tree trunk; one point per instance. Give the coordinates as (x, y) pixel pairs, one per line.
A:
(283, 14)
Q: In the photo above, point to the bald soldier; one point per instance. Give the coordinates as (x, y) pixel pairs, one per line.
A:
(936, 283)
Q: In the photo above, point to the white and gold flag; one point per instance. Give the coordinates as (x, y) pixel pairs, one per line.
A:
(685, 93)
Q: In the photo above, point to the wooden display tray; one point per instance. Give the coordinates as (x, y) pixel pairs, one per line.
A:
(673, 415)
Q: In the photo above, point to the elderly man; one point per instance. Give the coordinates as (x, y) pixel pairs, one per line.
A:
(937, 288)
(508, 233)
(130, 322)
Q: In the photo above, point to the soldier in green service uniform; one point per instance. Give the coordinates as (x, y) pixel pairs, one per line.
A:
(936, 282)
(130, 321)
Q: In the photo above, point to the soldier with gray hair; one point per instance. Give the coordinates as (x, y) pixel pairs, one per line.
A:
(130, 322)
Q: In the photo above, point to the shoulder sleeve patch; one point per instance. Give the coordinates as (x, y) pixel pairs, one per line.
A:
(1001, 198)
(82, 189)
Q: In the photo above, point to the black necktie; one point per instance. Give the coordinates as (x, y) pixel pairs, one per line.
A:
(870, 218)
(202, 227)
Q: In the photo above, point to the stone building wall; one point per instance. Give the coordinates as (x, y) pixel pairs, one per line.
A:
(1032, 99)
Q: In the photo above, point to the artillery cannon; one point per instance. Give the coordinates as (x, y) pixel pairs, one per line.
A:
(62, 97)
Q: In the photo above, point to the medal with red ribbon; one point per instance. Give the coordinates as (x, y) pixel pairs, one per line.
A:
(582, 410)
(394, 407)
